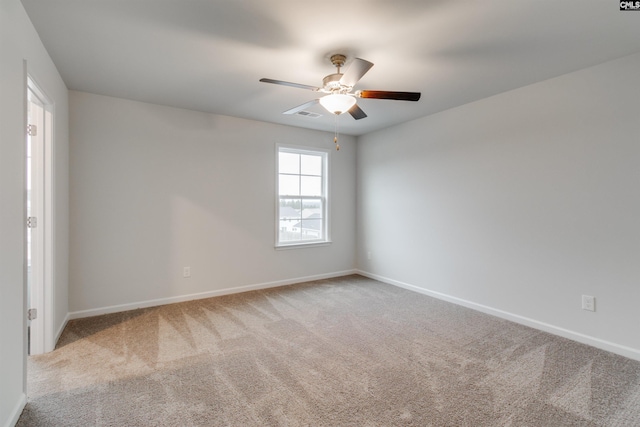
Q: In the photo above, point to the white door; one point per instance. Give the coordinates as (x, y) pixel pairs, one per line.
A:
(38, 119)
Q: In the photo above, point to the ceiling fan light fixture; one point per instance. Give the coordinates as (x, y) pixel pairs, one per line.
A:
(337, 103)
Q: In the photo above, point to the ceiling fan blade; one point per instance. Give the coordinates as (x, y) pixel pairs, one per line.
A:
(383, 94)
(298, 85)
(357, 69)
(357, 113)
(302, 107)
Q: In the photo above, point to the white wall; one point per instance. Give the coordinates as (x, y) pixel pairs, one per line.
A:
(155, 189)
(517, 204)
(20, 42)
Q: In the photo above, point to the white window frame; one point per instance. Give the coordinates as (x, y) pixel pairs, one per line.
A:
(325, 239)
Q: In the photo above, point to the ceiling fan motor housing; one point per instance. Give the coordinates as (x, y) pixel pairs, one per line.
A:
(331, 83)
(338, 60)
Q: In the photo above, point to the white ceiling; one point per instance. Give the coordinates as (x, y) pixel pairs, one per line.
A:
(208, 55)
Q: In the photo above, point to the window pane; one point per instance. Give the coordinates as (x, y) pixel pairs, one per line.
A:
(290, 230)
(312, 208)
(290, 209)
(288, 162)
(311, 228)
(311, 165)
(289, 185)
(311, 185)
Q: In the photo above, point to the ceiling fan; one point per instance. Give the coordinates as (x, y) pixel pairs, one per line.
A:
(339, 97)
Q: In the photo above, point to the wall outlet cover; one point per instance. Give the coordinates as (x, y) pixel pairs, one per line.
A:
(588, 303)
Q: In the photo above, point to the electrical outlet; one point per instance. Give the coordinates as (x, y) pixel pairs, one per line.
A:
(369, 255)
(588, 303)
(186, 272)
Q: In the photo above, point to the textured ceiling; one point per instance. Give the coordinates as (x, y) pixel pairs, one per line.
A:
(208, 55)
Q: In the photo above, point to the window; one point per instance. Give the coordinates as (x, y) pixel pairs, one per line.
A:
(302, 196)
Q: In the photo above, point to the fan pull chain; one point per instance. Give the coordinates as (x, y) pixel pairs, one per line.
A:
(335, 137)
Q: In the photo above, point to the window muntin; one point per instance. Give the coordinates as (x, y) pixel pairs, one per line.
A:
(302, 196)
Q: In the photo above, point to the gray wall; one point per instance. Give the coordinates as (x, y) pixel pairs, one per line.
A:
(155, 189)
(19, 42)
(517, 204)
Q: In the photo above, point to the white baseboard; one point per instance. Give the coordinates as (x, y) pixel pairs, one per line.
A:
(218, 292)
(17, 411)
(61, 328)
(622, 350)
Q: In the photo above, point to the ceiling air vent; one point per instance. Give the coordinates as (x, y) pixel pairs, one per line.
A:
(309, 114)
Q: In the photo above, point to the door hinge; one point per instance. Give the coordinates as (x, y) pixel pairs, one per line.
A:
(32, 130)
(32, 222)
(32, 314)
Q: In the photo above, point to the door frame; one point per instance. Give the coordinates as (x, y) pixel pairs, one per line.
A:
(45, 341)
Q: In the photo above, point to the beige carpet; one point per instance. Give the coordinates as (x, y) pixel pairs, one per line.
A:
(342, 352)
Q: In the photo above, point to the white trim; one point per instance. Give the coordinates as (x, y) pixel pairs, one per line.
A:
(17, 411)
(45, 338)
(312, 244)
(49, 238)
(219, 292)
(325, 197)
(60, 330)
(622, 350)
(35, 174)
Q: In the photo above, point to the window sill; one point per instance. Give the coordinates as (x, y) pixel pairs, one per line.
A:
(302, 245)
